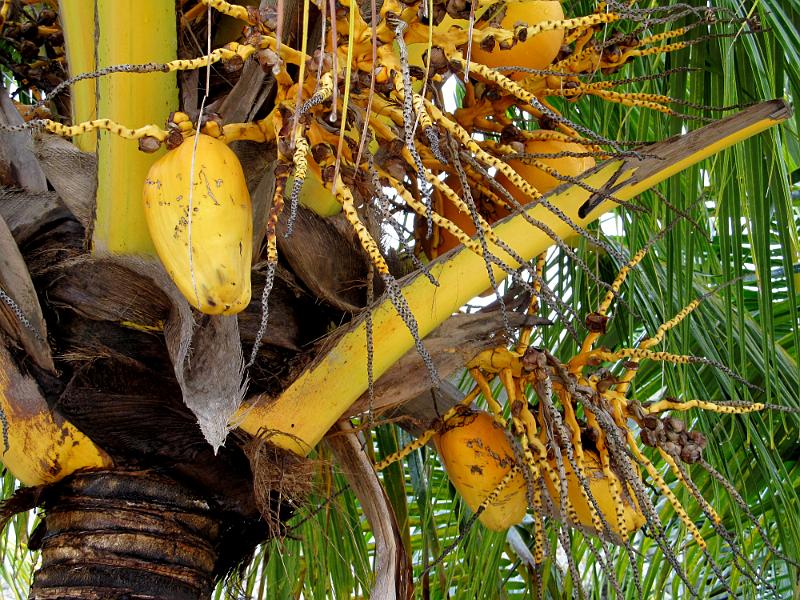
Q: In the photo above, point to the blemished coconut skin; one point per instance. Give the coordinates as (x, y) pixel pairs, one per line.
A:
(477, 455)
(217, 279)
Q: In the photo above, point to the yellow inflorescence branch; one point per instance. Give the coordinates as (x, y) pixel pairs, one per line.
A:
(665, 405)
(232, 10)
(231, 51)
(103, 125)
(502, 35)
(345, 197)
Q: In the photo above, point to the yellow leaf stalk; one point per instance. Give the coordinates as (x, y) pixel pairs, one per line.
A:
(39, 445)
(77, 22)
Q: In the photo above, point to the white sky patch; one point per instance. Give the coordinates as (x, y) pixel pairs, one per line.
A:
(449, 94)
(611, 224)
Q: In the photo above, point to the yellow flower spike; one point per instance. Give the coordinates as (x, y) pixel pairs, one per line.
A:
(103, 125)
(672, 323)
(668, 493)
(306, 184)
(552, 480)
(254, 132)
(678, 472)
(637, 52)
(533, 305)
(504, 35)
(483, 385)
(232, 10)
(626, 99)
(579, 360)
(345, 197)
(664, 405)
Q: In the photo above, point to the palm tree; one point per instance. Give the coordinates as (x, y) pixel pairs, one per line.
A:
(122, 406)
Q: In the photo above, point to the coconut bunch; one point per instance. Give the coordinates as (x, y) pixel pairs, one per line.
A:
(559, 445)
(362, 128)
(32, 50)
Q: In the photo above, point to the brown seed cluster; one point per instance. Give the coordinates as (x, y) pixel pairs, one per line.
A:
(671, 435)
(33, 49)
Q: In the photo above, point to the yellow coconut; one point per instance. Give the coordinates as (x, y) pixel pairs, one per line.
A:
(477, 456)
(600, 486)
(205, 180)
(568, 166)
(536, 52)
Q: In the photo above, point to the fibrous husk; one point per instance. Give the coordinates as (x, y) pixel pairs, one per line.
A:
(103, 289)
(27, 213)
(282, 480)
(72, 173)
(206, 356)
(20, 313)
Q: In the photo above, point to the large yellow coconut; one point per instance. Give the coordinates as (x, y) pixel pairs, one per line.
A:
(536, 52)
(211, 186)
(477, 456)
(600, 486)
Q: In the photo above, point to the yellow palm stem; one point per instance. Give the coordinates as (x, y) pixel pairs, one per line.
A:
(77, 20)
(130, 31)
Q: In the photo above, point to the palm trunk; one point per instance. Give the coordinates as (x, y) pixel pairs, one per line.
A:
(126, 534)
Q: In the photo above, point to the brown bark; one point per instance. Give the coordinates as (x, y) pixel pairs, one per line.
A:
(127, 534)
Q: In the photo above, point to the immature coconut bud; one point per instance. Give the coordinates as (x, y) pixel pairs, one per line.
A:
(691, 454)
(675, 424)
(149, 144)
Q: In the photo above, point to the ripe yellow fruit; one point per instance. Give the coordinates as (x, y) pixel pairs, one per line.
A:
(217, 279)
(600, 486)
(568, 166)
(536, 52)
(477, 455)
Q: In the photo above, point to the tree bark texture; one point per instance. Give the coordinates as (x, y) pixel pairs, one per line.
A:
(133, 535)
